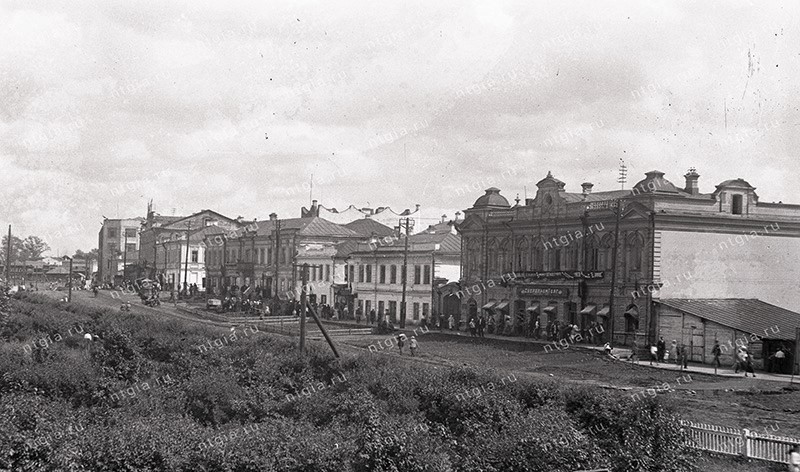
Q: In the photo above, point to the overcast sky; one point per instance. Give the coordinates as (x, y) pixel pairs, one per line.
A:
(234, 105)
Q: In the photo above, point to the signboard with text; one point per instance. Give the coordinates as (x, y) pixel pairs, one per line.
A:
(563, 275)
(543, 292)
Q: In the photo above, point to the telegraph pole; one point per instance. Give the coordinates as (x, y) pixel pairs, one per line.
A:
(186, 267)
(124, 255)
(405, 278)
(8, 258)
(614, 270)
(303, 303)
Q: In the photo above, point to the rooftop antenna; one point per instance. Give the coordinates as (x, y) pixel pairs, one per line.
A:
(623, 173)
(525, 192)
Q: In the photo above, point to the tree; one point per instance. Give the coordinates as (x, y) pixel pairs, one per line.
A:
(33, 247)
(16, 249)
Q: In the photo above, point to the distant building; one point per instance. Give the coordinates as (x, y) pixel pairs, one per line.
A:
(165, 254)
(383, 215)
(118, 244)
(673, 243)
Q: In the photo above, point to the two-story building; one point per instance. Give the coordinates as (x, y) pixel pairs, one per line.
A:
(375, 270)
(619, 257)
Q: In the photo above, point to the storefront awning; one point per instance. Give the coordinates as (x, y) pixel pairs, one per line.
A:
(502, 305)
(550, 309)
(533, 309)
(603, 312)
(489, 305)
(633, 312)
(588, 309)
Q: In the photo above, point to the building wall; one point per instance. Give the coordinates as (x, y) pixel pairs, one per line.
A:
(112, 237)
(700, 335)
(708, 265)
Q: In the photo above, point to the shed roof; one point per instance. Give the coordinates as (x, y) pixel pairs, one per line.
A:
(749, 315)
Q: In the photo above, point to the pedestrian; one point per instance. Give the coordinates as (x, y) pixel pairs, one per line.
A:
(491, 324)
(450, 322)
(481, 326)
(372, 316)
(684, 355)
(536, 328)
(673, 351)
(662, 347)
(653, 354)
(608, 349)
(779, 358)
(716, 351)
(748, 363)
(359, 312)
(412, 345)
(472, 327)
(741, 355)
(401, 342)
(794, 458)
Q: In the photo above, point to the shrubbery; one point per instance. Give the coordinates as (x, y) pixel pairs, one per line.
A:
(227, 409)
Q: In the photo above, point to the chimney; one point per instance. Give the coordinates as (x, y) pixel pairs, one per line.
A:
(444, 218)
(458, 215)
(273, 216)
(416, 207)
(692, 186)
(587, 187)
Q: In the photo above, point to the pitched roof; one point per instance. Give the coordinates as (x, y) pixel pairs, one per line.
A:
(749, 315)
(345, 248)
(367, 226)
(595, 196)
(312, 226)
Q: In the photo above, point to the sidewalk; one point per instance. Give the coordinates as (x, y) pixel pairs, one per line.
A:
(724, 371)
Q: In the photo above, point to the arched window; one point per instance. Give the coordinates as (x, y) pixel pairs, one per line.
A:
(493, 256)
(522, 254)
(605, 253)
(473, 257)
(634, 252)
(537, 263)
(571, 256)
(504, 256)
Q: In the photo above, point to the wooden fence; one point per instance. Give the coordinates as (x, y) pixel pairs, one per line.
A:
(740, 442)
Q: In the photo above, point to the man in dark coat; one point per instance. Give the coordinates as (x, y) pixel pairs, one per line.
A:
(662, 347)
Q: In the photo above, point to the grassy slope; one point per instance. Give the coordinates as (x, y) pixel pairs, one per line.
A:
(145, 397)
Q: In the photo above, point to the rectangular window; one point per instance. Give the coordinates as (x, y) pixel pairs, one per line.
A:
(393, 309)
(427, 278)
(367, 306)
(380, 308)
(130, 232)
(382, 272)
(393, 274)
(204, 283)
(283, 255)
(327, 272)
(736, 205)
(269, 256)
(417, 275)
(416, 310)
(130, 247)
(369, 274)
(360, 272)
(323, 299)
(403, 275)
(112, 232)
(425, 308)
(194, 255)
(352, 273)
(361, 305)
(247, 256)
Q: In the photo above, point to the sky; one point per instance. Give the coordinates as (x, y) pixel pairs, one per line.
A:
(243, 107)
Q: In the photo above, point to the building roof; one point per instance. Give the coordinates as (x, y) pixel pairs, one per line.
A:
(367, 227)
(345, 248)
(749, 315)
(595, 196)
(313, 226)
(492, 199)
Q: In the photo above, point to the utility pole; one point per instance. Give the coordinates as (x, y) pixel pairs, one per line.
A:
(405, 277)
(614, 270)
(186, 267)
(124, 255)
(69, 280)
(303, 303)
(8, 258)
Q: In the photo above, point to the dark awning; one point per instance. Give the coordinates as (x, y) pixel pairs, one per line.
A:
(501, 305)
(489, 305)
(603, 312)
(550, 309)
(632, 312)
(533, 309)
(587, 310)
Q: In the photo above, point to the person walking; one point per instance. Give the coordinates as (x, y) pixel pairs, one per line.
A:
(372, 316)
(674, 351)
(684, 356)
(450, 322)
(472, 327)
(780, 359)
(653, 354)
(401, 342)
(481, 326)
(359, 312)
(661, 347)
(741, 355)
(412, 345)
(748, 363)
(716, 351)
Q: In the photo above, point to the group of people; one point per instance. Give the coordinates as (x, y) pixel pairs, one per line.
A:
(412, 344)
(477, 327)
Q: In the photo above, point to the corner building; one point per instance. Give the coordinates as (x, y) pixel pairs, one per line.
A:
(671, 244)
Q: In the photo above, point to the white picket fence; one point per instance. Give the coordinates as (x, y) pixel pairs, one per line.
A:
(740, 442)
